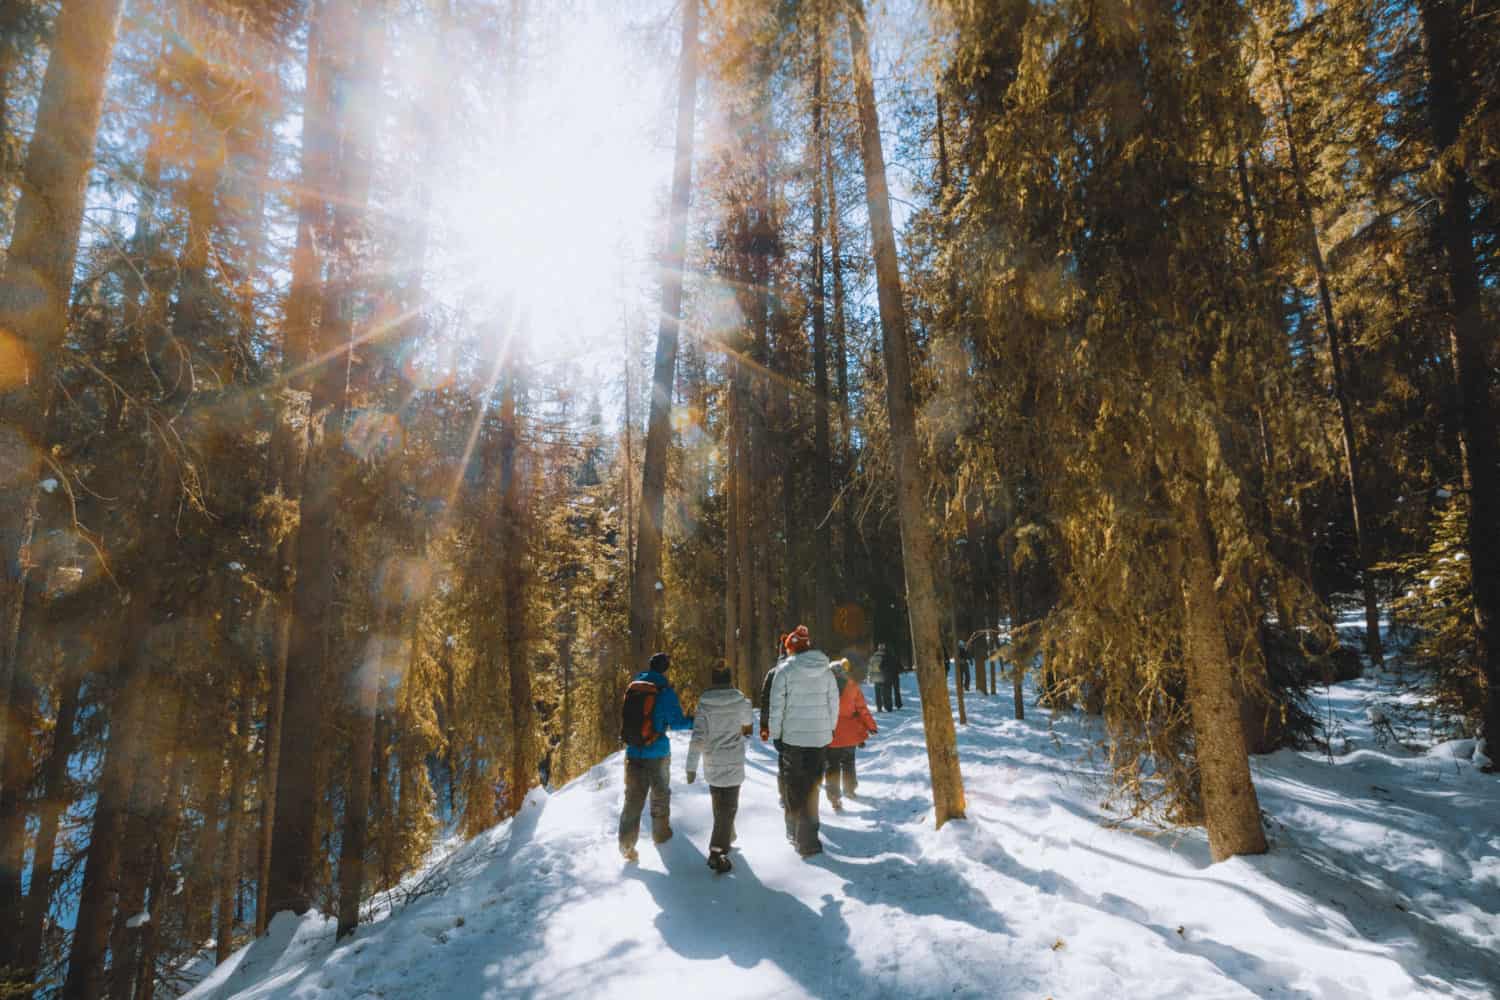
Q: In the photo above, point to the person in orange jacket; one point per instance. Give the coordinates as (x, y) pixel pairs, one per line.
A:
(855, 724)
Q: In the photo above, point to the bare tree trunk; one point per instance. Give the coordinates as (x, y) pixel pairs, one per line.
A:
(292, 876)
(362, 116)
(1448, 67)
(822, 548)
(523, 756)
(563, 768)
(643, 594)
(288, 459)
(916, 536)
(15, 783)
(38, 279)
(289, 451)
(841, 362)
(1231, 809)
(1352, 470)
(745, 563)
(122, 755)
(234, 819)
(734, 576)
(958, 666)
(54, 802)
(202, 879)
(365, 680)
(159, 774)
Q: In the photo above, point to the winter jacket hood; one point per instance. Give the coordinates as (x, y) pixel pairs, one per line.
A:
(666, 715)
(804, 701)
(718, 736)
(855, 721)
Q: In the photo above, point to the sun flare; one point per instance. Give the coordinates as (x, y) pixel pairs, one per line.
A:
(550, 217)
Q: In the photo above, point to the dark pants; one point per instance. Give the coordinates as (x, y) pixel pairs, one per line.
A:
(887, 695)
(726, 802)
(804, 772)
(781, 774)
(963, 674)
(642, 776)
(838, 774)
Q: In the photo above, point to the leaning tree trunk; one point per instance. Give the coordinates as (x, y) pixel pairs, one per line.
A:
(643, 598)
(1357, 505)
(916, 536)
(1448, 67)
(37, 280)
(1231, 810)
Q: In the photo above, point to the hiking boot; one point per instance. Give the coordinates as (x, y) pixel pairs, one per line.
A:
(661, 835)
(808, 852)
(719, 862)
(838, 806)
(629, 854)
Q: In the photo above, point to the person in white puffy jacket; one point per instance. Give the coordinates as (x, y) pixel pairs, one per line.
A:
(720, 728)
(804, 712)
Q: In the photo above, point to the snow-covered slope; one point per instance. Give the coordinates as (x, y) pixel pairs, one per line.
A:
(1383, 881)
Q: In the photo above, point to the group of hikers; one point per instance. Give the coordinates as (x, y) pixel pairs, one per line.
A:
(812, 710)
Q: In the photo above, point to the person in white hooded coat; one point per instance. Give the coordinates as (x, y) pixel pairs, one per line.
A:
(804, 712)
(720, 727)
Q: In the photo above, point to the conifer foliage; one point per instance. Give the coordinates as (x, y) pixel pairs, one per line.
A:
(1134, 346)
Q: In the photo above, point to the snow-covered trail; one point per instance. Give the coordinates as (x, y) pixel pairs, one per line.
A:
(1383, 881)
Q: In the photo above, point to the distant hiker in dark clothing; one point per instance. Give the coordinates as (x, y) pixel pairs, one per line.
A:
(885, 667)
(651, 708)
(765, 720)
(720, 728)
(965, 665)
(855, 725)
(804, 711)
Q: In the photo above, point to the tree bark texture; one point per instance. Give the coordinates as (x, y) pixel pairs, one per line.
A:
(38, 279)
(291, 880)
(822, 547)
(55, 796)
(234, 821)
(643, 595)
(916, 536)
(1230, 807)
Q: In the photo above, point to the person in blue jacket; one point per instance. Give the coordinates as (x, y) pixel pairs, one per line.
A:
(649, 768)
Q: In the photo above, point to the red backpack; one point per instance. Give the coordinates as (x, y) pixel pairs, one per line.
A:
(636, 728)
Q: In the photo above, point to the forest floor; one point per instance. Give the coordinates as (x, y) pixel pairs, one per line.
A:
(1383, 880)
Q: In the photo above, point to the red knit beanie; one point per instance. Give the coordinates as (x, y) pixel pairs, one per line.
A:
(799, 640)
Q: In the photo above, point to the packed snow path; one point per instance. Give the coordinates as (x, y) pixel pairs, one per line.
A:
(1383, 881)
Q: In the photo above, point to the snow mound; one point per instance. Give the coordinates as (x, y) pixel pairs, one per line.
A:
(1383, 881)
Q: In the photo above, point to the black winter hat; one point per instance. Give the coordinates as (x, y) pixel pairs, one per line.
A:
(661, 663)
